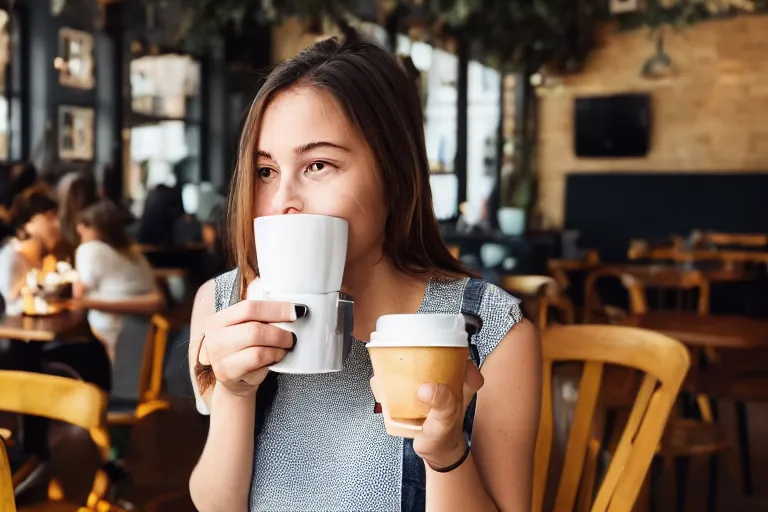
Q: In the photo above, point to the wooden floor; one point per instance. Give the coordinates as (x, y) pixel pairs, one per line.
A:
(165, 447)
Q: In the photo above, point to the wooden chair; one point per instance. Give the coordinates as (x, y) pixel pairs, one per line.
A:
(61, 399)
(685, 437)
(543, 293)
(129, 406)
(559, 268)
(455, 251)
(664, 363)
(7, 501)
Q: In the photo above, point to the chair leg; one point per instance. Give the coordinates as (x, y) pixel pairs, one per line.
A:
(714, 462)
(742, 426)
(681, 482)
(656, 477)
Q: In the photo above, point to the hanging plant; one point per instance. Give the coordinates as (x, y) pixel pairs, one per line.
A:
(214, 18)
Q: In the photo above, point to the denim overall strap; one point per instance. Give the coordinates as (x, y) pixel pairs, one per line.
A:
(414, 489)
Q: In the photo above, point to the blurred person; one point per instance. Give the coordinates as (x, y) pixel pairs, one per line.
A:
(114, 277)
(163, 207)
(35, 219)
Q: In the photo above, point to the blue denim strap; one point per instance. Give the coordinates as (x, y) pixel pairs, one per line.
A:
(414, 490)
(473, 299)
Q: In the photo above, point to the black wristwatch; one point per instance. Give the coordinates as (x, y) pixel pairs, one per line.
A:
(455, 465)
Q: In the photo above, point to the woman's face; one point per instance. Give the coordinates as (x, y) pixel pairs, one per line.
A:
(44, 227)
(311, 160)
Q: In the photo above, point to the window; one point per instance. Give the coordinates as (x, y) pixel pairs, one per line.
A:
(164, 126)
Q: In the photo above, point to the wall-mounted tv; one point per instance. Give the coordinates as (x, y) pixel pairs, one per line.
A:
(616, 126)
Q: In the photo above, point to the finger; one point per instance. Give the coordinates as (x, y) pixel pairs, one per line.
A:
(473, 381)
(443, 405)
(258, 311)
(202, 353)
(238, 365)
(251, 334)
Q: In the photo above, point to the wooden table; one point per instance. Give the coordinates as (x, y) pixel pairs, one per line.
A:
(69, 325)
(710, 331)
(713, 275)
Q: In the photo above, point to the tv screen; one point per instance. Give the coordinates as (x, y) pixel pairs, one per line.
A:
(612, 126)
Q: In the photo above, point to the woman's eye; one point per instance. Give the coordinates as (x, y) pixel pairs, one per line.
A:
(316, 167)
(265, 172)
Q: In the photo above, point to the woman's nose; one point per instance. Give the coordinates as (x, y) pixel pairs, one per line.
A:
(288, 198)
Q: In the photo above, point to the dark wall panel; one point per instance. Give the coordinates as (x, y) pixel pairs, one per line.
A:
(611, 208)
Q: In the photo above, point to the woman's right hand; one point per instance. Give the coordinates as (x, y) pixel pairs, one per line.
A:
(240, 345)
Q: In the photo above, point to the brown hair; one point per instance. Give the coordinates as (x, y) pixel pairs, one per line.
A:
(77, 191)
(105, 217)
(32, 201)
(382, 104)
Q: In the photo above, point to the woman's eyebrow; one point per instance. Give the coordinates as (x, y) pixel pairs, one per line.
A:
(264, 154)
(304, 148)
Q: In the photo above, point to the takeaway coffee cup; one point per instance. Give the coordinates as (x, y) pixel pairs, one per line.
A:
(301, 259)
(410, 350)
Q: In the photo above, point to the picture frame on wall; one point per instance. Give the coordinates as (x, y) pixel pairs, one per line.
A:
(75, 133)
(75, 61)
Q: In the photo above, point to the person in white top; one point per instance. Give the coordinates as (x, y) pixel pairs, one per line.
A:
(34, 214)
(114, 277)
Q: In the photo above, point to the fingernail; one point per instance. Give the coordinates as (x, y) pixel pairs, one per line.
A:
(377, 408)
(293, 335)
(301, 310)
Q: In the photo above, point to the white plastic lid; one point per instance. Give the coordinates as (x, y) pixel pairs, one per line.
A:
(420, 330)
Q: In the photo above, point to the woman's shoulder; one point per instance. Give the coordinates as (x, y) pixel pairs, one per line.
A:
(498, 310)
(92, 248)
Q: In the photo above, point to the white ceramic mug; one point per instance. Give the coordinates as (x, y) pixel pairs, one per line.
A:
(301, 253)
(301, 260)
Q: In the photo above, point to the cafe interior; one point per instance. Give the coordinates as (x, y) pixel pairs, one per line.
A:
(606, 161)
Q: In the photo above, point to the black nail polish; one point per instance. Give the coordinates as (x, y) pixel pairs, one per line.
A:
(293, 335)
(301, 310)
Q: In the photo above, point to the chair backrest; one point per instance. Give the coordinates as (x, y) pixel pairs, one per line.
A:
(57, 398)
(139, 358)
(541, 293)
(7, 500)
(684, 283)
(663, 360)
(153, 363)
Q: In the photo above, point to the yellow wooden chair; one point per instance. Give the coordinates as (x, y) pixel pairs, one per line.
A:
(664, 363)
(7, 502)
(61, 399)
(128, 412)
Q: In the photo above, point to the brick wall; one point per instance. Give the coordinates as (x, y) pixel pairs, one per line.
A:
(712, 115)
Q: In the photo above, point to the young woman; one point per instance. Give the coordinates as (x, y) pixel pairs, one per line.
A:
(338, 131)
(114, 278)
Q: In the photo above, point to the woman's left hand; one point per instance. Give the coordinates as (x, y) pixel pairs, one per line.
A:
(441, 441)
